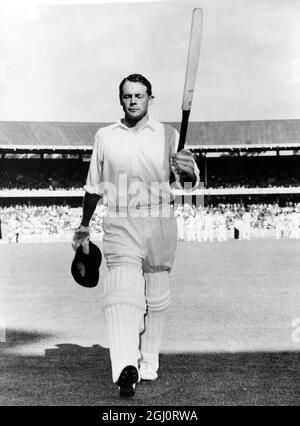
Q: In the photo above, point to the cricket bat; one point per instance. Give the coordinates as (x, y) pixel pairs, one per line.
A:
(191, 72)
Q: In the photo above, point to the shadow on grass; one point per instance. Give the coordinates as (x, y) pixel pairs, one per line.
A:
(16, 338)
(73, 375)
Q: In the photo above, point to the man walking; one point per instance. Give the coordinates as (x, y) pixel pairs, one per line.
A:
(131, 165)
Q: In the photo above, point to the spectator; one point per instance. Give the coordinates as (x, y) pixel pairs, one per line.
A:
(203, 223)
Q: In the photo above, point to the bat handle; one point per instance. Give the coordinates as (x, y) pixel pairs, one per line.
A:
(183, 129)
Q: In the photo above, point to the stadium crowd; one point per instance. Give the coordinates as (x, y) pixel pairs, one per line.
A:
(38, 174)
(23, 220)
(194, 224)
(253, 172)
(257, 180)
(71, 174)
(214, 223)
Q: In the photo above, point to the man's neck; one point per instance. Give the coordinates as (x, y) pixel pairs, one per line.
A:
(133, 124)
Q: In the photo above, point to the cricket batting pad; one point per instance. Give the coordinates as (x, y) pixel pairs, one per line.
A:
(124, 308)
(158, 300)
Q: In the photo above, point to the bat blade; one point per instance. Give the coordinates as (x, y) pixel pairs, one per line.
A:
(191, 71)
(193, 59)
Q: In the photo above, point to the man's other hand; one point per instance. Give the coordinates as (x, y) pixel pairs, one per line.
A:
(81, 236)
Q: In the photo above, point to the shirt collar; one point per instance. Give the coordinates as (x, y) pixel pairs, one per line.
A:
(150, 124)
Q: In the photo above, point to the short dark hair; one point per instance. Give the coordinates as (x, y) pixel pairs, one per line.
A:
(136, 78)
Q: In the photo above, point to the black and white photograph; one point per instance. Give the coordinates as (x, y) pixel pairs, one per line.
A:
(149, 205)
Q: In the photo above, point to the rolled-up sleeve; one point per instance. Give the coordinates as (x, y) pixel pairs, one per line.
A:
(95, 174)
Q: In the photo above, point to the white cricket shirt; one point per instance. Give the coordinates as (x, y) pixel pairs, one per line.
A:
(132, 169)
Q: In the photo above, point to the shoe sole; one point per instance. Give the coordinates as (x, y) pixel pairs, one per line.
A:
(127, 380)
(148, 379)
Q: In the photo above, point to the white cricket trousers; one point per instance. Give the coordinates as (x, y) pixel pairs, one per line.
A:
(140, 252)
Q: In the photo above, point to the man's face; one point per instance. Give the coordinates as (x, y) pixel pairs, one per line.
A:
(135, 100)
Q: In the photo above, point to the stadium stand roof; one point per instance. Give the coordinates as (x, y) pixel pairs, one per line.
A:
(220, 135)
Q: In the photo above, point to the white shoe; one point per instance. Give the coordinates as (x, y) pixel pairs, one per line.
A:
(147, 371)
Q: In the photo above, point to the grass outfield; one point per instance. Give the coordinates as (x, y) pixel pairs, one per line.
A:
(227, 340)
